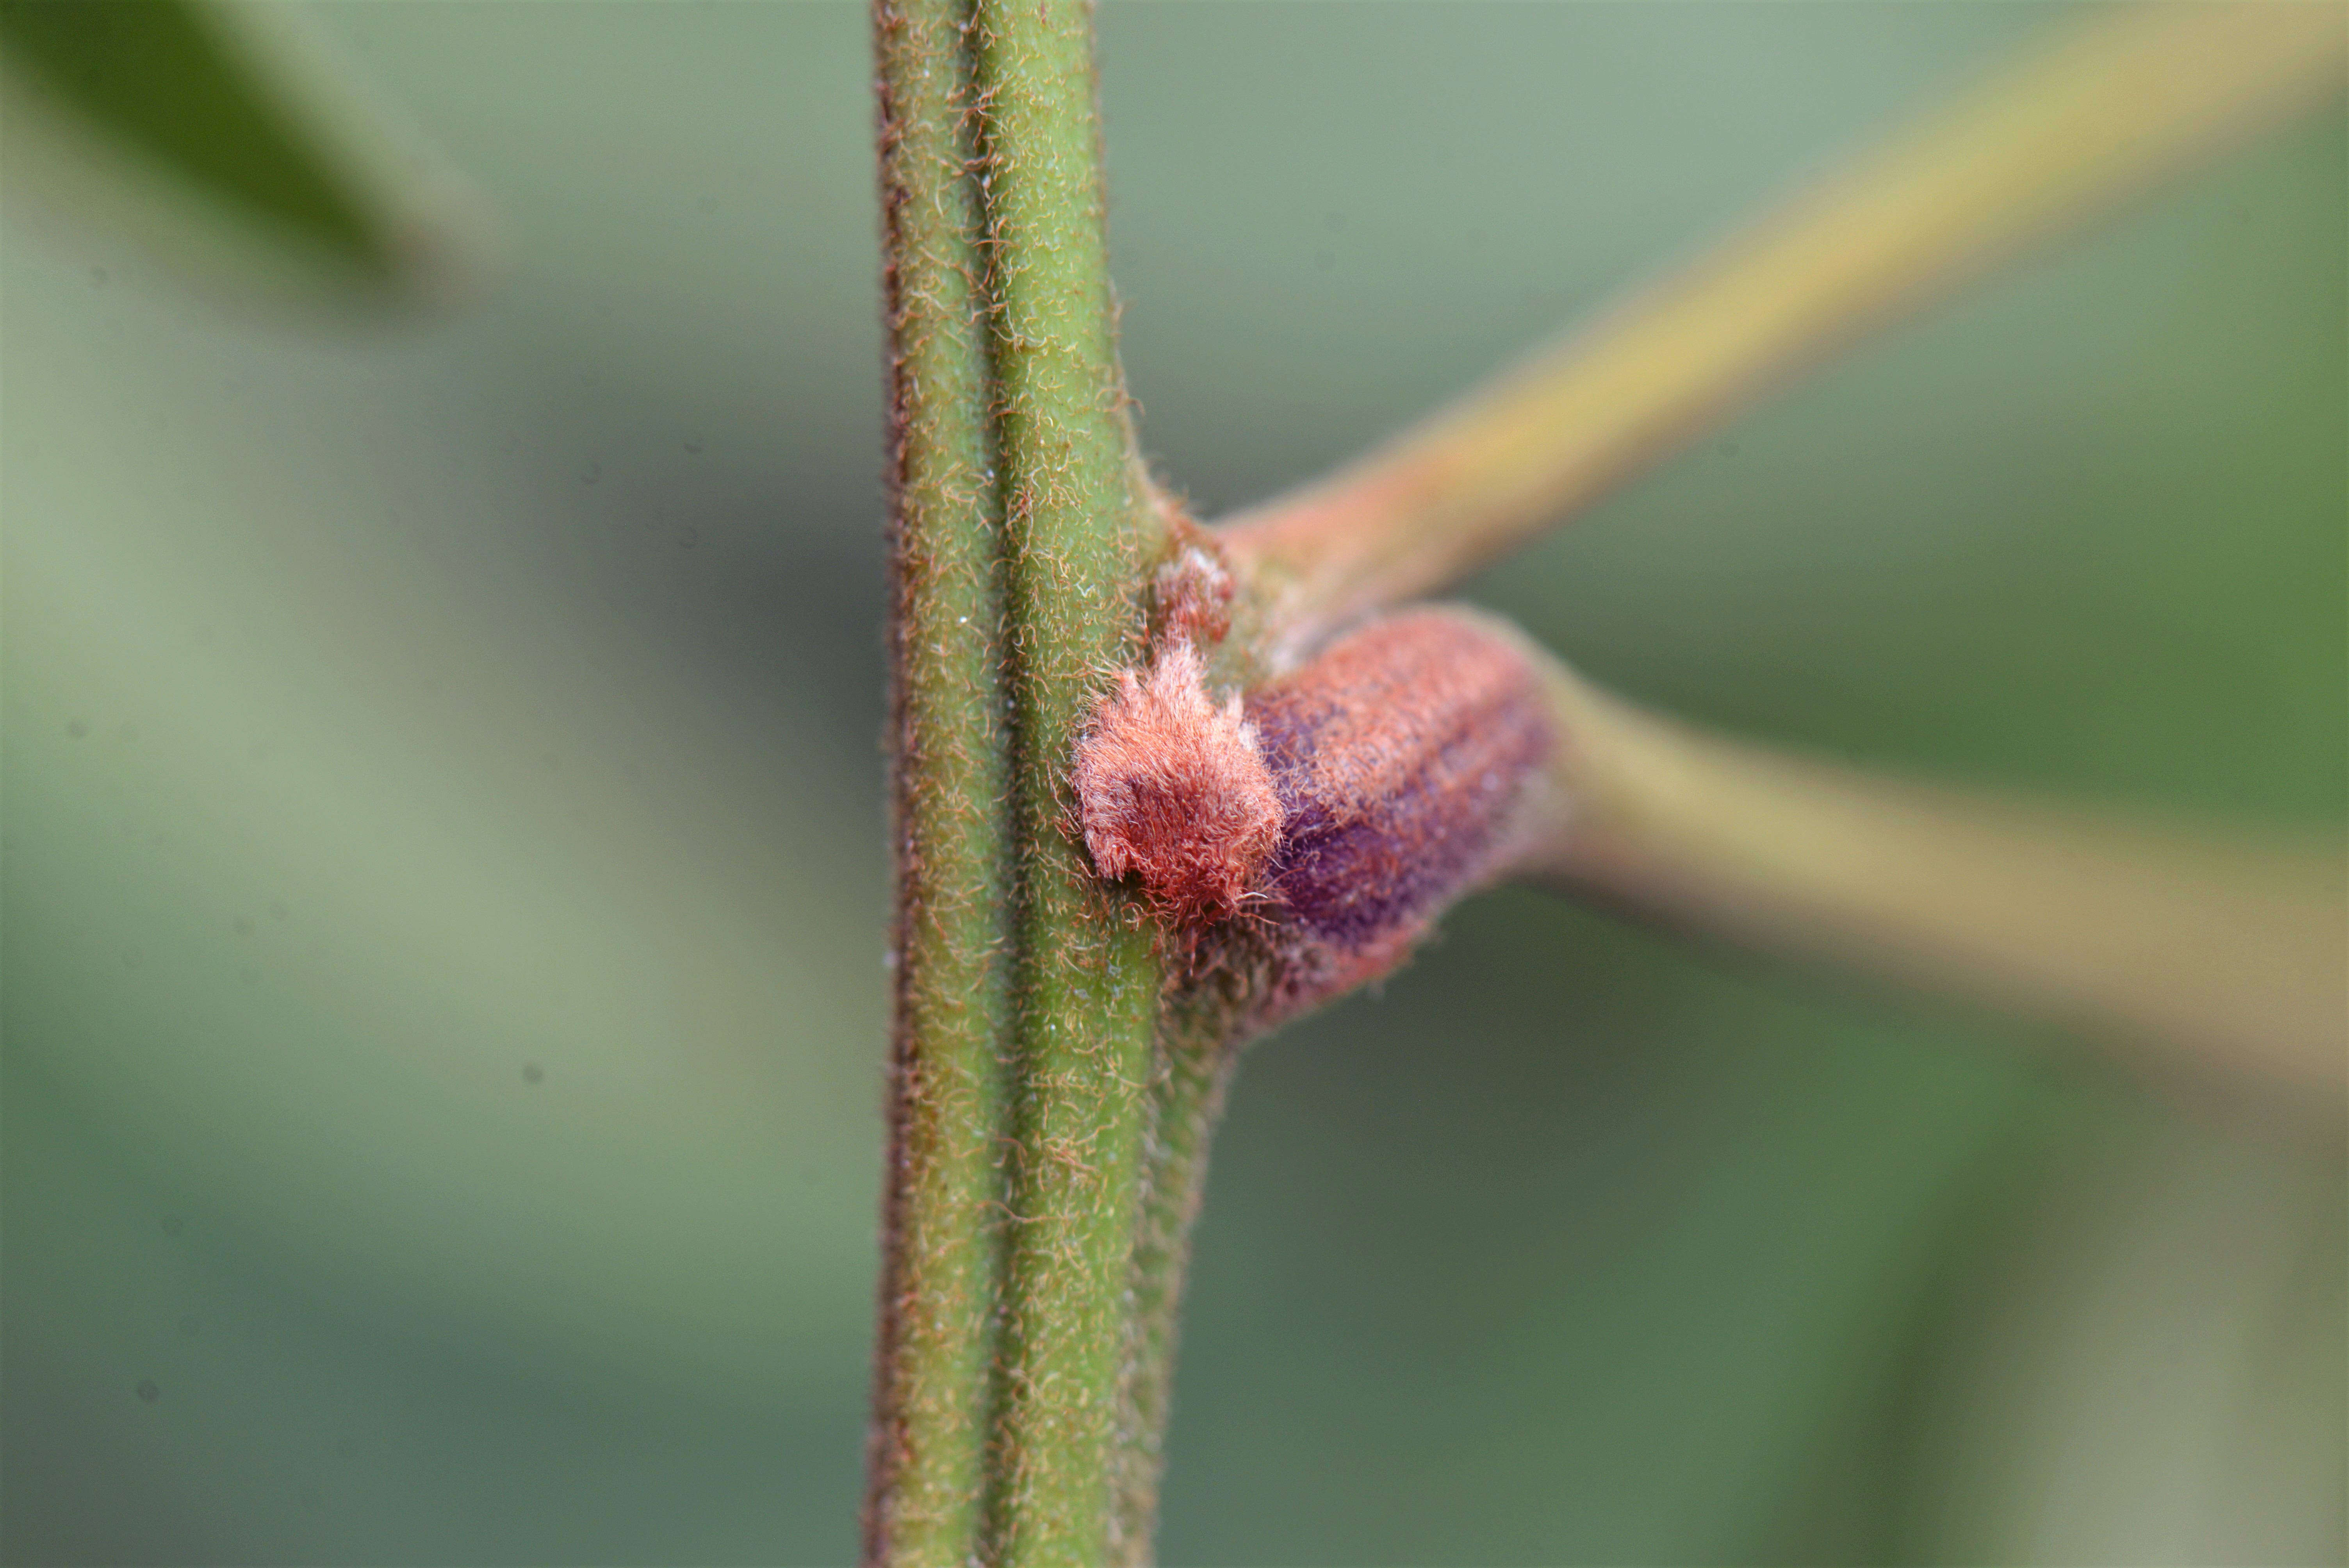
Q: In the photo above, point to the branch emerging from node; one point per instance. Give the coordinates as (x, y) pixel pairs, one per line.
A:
(1427, 754)
(2049, 143)
(2234, 957)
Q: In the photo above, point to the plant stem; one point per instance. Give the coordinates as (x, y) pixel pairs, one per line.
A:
(2234, 957)
(1196, 1058)
(1079, 532)
(2048, 143)
(942, 1235)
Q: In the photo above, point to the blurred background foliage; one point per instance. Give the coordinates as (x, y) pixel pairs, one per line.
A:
(444, 881)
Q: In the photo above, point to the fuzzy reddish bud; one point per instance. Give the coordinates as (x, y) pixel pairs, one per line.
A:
(1352, 800)
(1192, 598)
(1172, 787)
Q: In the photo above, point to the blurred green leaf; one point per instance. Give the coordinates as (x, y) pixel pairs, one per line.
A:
(160, 77)
(226, 141)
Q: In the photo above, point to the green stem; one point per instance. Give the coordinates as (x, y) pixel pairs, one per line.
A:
(953, 767)
(1197, 1057)
(1088, 976)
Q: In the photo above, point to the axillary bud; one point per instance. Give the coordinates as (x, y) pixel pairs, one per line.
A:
(1343, 806)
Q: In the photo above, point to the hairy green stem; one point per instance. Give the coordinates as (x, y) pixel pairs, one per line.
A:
(1196, 1058)
(1079, 532)
(953, 842)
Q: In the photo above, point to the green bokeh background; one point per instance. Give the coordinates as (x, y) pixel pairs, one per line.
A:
(444, 876)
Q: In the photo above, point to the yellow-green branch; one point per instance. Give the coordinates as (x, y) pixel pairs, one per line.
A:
(2231, 957)
(2065, 135)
